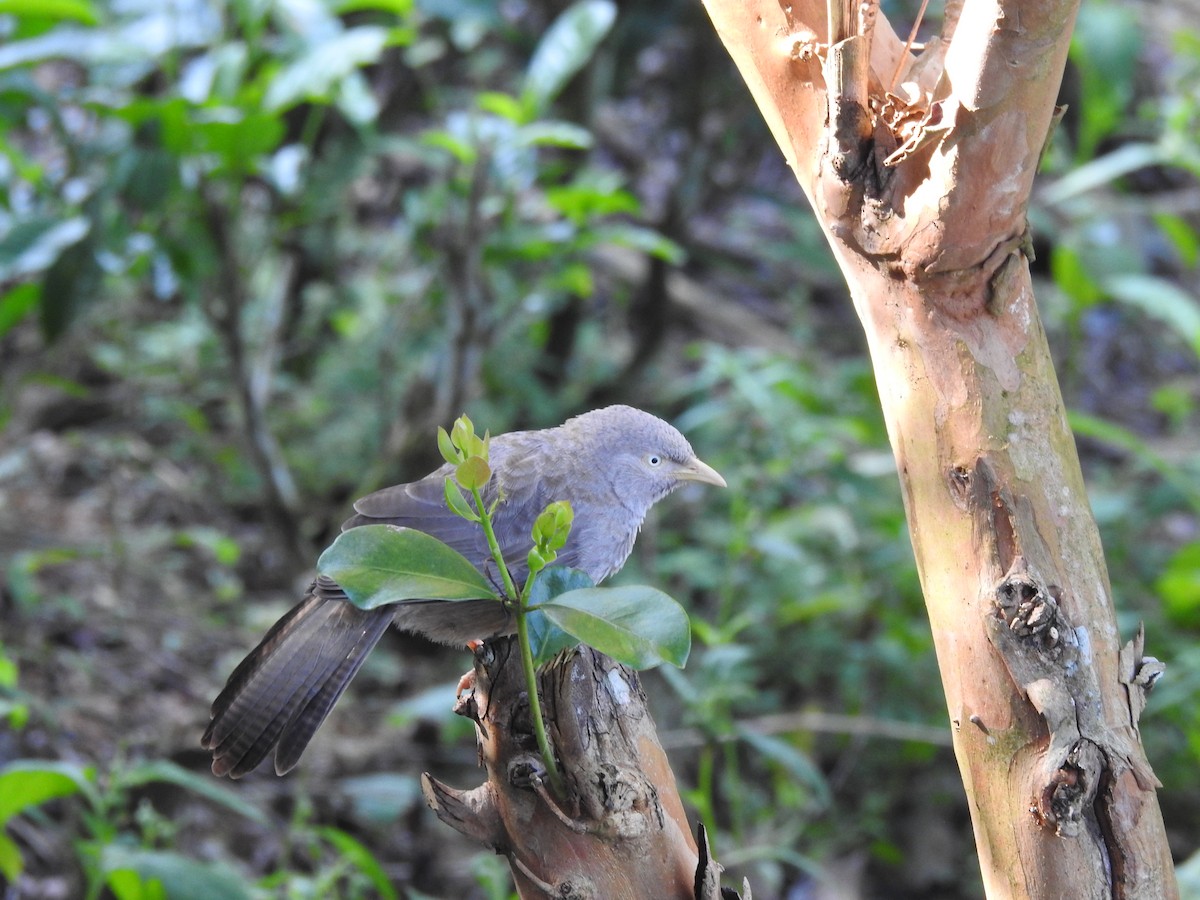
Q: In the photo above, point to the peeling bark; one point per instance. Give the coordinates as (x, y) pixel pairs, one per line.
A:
(919, 169)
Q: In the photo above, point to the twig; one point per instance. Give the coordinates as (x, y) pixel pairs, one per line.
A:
(282, 498)
(544, 886)
(831, 723)
(470, 294)
(912, 36)
(576, 825)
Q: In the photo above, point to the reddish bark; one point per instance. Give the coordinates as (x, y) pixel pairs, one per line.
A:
(919, 170)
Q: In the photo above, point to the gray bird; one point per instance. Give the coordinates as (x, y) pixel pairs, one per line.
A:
(611, 464)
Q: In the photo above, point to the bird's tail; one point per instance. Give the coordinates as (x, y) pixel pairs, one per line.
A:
(281, 693)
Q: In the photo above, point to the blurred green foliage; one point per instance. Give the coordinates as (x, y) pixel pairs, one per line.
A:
(253, 252)
(107, 820)
(126, 845)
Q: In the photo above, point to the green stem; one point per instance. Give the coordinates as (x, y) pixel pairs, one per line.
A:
(535, 704)
(518, 601)
(485, 519)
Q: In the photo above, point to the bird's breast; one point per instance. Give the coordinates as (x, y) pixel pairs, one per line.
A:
(605, 540)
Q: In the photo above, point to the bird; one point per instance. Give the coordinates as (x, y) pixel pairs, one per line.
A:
(612, 465)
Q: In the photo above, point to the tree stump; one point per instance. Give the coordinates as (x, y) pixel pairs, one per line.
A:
(620, 831)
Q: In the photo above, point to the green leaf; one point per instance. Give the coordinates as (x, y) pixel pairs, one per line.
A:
(553, 525)
(361, 858)
(546, 639)
(127, 884)
(470, 20)
(461, 150)
(16, 304)
(567, 135)
(636, 625)
(379, 564)
(1101, 171)
(535, 560)
(565, 49)
(16, 714)
(581, 202)
(797, 763)
(239, 139)
(473, 473)
(79, 10)
(401, 9)
(1161, 299)
(70, 282)
(165, 771)
(25, 784)
(463, 436)
(35, 243)
(224, 549)
(182, 878)
(1073, 276)
(1123, 439)
(557, 581)
(10, 859)
(505, 106)
(316, 74)
(355, 99)
(647, 240)
(1179, 586)
(148, 178)
(446, 447)
(461, 432)
(1105, 48)
(458, 503)
(575, 278)
(1181, 235)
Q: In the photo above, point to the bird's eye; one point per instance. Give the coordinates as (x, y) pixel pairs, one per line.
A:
(654, 459)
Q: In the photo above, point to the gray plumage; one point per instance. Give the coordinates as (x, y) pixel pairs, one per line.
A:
(611, 464)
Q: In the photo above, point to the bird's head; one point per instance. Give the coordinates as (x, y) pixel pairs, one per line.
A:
(640, 457)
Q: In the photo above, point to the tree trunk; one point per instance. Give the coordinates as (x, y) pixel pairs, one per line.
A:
(920, 169)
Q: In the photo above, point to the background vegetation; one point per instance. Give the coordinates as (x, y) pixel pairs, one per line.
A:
(253, 252)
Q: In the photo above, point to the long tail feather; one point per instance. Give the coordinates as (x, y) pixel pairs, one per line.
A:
(284, 689)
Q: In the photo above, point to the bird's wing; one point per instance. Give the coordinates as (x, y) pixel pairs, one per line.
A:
(422, 505)
(525, 491)
(529, 481)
